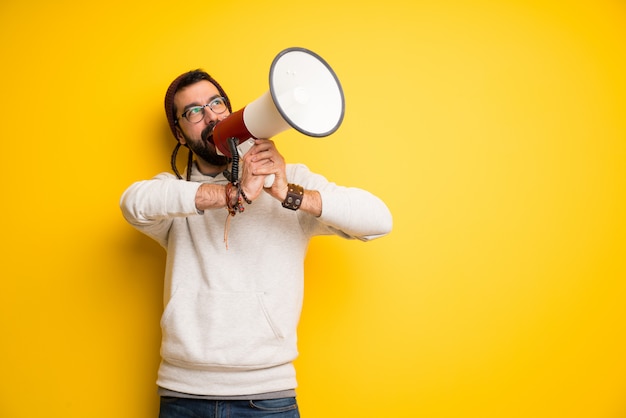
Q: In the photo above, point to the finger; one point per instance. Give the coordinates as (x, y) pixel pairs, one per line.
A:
(261, 145)
(264, 167)
(262, 156)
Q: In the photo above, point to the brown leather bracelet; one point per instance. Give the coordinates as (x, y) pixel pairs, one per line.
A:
(234, 204)
(295, 194)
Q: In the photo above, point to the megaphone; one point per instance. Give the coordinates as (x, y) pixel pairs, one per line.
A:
(304, 94)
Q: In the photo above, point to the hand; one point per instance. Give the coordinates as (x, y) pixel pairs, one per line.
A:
(261, 160)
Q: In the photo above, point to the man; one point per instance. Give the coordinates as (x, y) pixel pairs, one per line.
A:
(234, 278)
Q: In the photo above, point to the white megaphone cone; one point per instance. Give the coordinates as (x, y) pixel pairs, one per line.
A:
(304, 94)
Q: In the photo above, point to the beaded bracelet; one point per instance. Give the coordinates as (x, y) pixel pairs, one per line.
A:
(248, 201)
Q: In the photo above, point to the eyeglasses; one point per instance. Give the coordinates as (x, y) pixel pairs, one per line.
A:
(196, 113)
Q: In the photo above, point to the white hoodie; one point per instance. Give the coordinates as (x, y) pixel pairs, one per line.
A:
(230, 318)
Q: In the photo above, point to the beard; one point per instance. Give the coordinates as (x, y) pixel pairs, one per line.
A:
(204, 148)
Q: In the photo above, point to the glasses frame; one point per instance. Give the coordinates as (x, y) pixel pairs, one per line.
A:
(203, 109)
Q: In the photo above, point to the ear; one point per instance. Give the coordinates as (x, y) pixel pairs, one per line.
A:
(180, 136)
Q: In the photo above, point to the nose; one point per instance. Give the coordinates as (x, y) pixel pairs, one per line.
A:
(210, 116)
(218, 117)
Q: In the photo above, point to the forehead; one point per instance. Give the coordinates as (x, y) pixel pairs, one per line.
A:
(195, 94)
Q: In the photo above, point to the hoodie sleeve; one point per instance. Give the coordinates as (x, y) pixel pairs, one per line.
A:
(346, 211)
(151, 205)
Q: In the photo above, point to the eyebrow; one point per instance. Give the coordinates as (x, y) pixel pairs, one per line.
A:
(194, 104)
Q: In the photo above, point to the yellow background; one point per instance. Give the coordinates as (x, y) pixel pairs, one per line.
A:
(494, 130)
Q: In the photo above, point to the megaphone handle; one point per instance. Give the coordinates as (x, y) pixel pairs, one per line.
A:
(269, 180)
(243, 148)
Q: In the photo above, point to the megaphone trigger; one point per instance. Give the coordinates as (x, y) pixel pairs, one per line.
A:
(245, 146)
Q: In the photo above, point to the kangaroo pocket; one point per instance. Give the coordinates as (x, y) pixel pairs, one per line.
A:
(208, 329)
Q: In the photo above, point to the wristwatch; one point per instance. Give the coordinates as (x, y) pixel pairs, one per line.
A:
(294, 197)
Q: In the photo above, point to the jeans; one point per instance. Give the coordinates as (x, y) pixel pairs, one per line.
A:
(200, 408)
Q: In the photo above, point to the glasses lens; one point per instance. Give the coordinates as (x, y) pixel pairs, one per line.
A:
(195, 114)
(218, 105)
